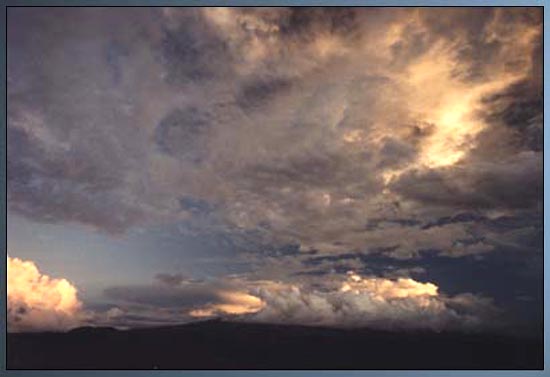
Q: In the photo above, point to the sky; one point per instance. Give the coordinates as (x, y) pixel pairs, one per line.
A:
(341, 167)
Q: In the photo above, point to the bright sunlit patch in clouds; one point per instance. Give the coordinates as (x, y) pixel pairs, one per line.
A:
(441, 96)
(353, 136)
(457, 124)
(388, 289)
(233, 303)
(37, 301)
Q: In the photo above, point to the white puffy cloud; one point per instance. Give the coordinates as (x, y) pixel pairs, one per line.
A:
(37, 301)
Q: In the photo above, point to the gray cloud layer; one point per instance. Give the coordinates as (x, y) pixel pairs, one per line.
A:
(282, 118)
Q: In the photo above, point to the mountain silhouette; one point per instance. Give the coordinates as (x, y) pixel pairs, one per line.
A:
(218, 344)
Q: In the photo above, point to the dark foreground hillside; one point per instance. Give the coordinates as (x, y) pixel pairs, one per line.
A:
(227, 345)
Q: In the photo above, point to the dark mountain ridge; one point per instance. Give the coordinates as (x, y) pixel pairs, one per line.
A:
(218, 344)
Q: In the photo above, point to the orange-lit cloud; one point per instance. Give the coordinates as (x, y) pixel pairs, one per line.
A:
(351, 301)
(389, 289)
(434, 86)
(348, 300)
(232, 303)
(37, 301)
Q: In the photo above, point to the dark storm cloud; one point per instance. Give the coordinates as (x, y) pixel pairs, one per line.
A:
(519, 108)
(191, 50)
(182, 134)
(305, 22)
(513, 183)
(63, 185)
(257, 92)
(500, 223)
(318, 170)
(311, 168)
(395, 152)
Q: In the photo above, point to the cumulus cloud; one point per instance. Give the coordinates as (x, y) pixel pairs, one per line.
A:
(351, 300)
(373, 302)
(37, 301)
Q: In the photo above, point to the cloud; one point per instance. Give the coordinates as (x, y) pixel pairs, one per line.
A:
(401, 303)
(163, 295)
(364, 131)
(134, 316)
(233, 303)
(177, 298)
(181, 133)
(509, 183)
(39, 302)
(297, 125)
(348, 301)
(170, 279)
